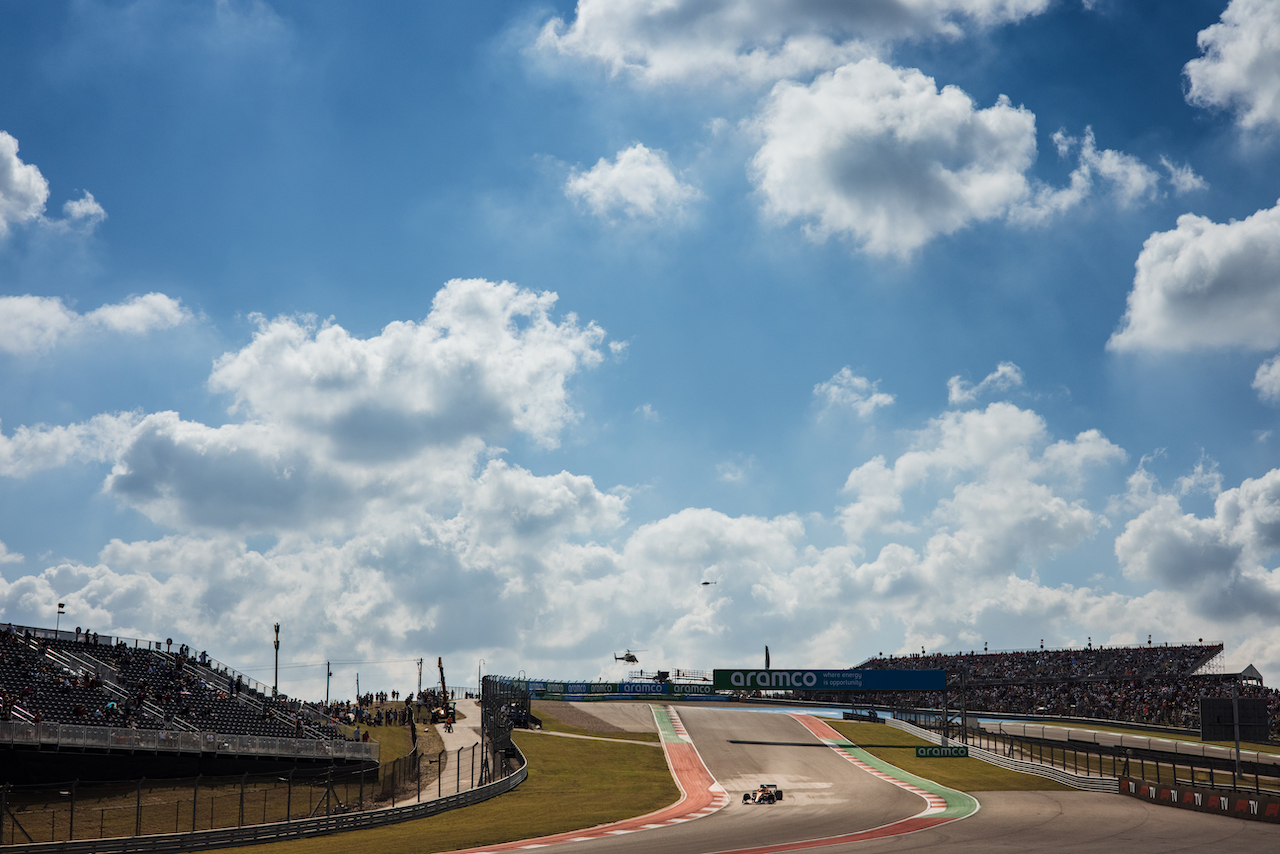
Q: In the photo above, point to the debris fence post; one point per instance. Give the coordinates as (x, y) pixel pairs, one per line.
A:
(137, 815)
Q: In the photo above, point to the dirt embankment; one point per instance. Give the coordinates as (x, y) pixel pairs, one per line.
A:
(568, 713)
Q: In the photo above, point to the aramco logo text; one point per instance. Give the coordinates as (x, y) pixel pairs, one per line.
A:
(773, 679)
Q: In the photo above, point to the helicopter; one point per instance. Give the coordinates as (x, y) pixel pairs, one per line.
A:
(629, 657)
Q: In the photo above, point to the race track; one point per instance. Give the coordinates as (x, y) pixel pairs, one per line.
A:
(827, 796)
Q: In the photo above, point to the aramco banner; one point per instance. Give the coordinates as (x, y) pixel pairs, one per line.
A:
(829, 680)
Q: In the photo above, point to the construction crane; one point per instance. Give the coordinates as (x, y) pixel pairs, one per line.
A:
(441, 713)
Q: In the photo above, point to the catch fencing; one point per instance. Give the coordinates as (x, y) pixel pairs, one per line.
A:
(1018, 758)
(209, 812)
(279, 831)
(1096, 760)
(78, 737)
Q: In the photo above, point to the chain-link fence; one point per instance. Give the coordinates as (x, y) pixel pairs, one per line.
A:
(104, 810)
(504, 705)
(81, 810)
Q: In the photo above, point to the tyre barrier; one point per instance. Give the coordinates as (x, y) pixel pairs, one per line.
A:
(206, 840)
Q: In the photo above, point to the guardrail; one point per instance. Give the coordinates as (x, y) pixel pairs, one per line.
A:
(1109, 785)
(205, 840)
(82, 737)
(1178, 749)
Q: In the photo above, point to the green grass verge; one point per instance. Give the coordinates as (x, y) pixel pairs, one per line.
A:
(572, 784)
(393, 741)
(551, 724)
(967, 775)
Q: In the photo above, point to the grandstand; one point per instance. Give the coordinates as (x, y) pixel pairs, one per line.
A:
(1157, 685)
(118, 708)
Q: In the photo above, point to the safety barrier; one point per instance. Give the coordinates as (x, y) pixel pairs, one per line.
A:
(1228, 802)
(1180, 749)
(579, 692)
(204, 840)
(82, 737)
(1109, 785)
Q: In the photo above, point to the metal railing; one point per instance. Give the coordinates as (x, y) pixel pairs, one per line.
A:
(84, 737)
(1025, 762)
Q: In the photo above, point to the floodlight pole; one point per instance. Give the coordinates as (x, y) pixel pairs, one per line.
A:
(327, 673)
(275, 685)
(1235, 717)
(58, 622)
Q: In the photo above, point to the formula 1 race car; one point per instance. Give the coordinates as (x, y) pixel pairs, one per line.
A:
(766, 793)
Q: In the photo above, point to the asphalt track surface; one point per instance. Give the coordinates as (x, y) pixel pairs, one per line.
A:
(826, 796)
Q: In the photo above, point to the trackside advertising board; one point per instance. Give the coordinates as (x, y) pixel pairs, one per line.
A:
(1239, 804)
(578, 691)
(829, 680)
(960, 752)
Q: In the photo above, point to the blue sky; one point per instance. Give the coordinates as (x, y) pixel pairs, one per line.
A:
(492, 330)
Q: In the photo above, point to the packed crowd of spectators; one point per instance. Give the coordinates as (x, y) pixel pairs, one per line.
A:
(1120, 662)
(1140, 684)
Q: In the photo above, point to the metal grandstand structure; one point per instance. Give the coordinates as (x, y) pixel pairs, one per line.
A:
(71, 699)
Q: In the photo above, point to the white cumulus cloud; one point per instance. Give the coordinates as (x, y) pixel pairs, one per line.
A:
(1007, 375)
(34, 448)
(1267, 379)
(31, 324)
(1183, 178)
(1130, 180)
(638, 183)
(24, 193)
(881, 155)
(488, 359)
(699, 42)
(337, 426)
(1240, 66)
(1219, 562)
(368, 474)
(23, 190)
(847, 390)
(1206, 284)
